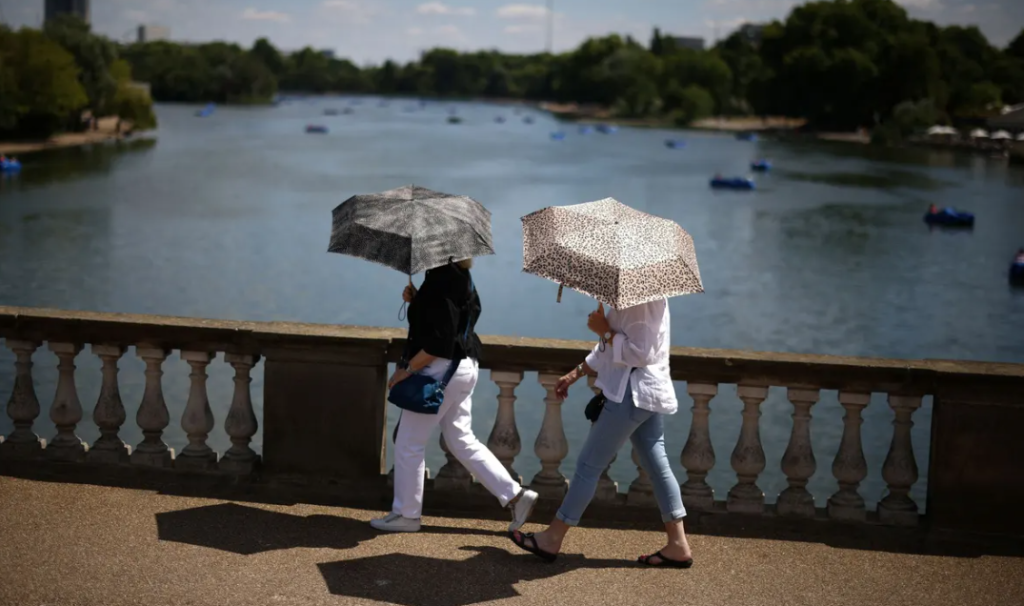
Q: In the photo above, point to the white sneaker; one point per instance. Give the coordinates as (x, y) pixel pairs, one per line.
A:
(394, 522)
(522, 509)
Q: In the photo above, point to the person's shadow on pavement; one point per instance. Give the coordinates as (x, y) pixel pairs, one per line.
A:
(249, 530)
(412, 580)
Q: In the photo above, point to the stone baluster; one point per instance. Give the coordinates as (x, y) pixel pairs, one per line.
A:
(152, 416)
(241, 424)
(23, 406)
(197, 420)
(798, 461)
(698, 455)
(748, 456)
(900, 468)
(551, 445)
(641, 491)
(607, 488)
(109, 414)
(452, 475)
(504, 440)
(849, 467)
(66, 410)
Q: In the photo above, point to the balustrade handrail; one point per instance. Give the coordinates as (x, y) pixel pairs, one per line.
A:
(999, 383)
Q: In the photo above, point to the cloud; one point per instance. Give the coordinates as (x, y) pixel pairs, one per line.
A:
(439, 8)
(349, 12)
(523, 11)
(922, 4)
(252, 14)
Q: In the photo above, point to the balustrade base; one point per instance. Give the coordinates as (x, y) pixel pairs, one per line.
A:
(550, 491)
(744, 504)
(452, 483)
(846, 513)
(21, 450)
(642, 497)
(798, 504)
(699, 502)
(196, 463)
(163, 459)
(112, 456)
(69, 453)
(239, 466)
(607, 491)
(897, 517)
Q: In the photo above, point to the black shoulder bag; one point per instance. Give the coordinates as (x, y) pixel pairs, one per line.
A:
(596, 404)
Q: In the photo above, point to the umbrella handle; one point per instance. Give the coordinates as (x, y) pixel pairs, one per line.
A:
(559, 300)
(403, 312)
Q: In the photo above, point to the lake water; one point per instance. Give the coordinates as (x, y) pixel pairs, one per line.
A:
(229, 217)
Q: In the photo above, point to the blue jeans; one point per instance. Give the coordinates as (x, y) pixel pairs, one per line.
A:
(618, 421)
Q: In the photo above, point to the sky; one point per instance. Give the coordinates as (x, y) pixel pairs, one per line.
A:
(370, 31)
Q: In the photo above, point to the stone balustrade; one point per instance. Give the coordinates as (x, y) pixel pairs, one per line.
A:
(324, 415)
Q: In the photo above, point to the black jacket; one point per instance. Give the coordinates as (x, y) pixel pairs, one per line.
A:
(439, 314)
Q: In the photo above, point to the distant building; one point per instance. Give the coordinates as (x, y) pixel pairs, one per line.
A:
(152, 33)
(689, 42)
(79, 8)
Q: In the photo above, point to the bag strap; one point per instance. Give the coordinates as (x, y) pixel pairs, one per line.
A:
(454, 366)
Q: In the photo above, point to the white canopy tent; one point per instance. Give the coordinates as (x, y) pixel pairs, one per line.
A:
(1001, 135)
(979, 133)
(941, 131)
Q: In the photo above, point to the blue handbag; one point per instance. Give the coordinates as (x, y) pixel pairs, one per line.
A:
(424, 394)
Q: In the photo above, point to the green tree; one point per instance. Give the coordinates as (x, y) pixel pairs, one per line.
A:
(694, 103)
(134, 105)
(92, 53)
(267, 54)
(43, 78)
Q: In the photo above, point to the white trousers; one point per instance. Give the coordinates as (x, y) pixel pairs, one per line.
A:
(455, 418)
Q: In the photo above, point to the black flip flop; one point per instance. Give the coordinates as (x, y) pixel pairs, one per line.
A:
(537, 551)
(663, 561)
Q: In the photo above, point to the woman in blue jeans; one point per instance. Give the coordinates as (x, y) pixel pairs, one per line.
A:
(631, 362)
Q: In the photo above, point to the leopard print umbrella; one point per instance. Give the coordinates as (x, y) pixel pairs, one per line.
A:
(411, 229)
(605, 249)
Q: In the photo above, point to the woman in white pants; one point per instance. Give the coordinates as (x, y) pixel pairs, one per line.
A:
(440, 313)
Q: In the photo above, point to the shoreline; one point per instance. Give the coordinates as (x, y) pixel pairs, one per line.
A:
(106, 132)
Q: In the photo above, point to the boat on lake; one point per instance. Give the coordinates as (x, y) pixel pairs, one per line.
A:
(949, 217)
(719, 182)
(675, 143)
(761, 166)
(316, 129)
(454, 120)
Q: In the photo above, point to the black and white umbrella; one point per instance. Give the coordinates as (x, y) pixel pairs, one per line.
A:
(411, 229)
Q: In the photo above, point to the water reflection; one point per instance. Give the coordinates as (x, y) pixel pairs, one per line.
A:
(47, 167)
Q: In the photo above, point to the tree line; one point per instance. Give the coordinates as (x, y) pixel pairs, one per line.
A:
(840, 64)
(49, 79)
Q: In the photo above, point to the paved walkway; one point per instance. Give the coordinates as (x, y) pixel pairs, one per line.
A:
(90, 545)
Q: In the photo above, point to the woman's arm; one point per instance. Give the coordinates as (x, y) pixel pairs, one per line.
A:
(418, 362)
(562, 387)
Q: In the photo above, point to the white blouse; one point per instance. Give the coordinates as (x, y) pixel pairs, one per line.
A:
(642, 341)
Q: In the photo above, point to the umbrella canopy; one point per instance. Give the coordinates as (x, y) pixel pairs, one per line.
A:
(1020, 137)
(605, 249)
(411, 229)
(979, 133)
(1001, 134)
(938, 130)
